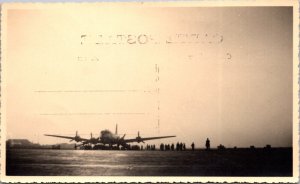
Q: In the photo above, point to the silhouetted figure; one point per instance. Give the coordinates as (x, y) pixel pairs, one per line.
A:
(172, 147)
(142, 148)
(207, 144)
(183, 147)
(161, 147)
(193, 146)
(177, 146)
(153, 146)
(180, 146)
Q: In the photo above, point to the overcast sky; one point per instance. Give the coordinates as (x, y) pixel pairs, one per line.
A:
(233, 84)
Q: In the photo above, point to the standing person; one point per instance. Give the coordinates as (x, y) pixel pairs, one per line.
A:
(172, 147)
(193, 146)
(161, 147)
(207, 144)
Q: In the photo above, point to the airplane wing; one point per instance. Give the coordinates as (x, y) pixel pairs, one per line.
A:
(66, 137)
(146, 139)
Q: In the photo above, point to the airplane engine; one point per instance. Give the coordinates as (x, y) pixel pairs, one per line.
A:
(139, 138)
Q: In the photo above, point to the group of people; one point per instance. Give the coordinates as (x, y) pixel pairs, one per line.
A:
(149, 147)
(178, 146)
(172, 147)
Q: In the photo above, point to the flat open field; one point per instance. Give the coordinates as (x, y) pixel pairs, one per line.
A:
(239, 162)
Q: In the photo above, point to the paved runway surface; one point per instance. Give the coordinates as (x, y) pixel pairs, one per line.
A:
(240, 162)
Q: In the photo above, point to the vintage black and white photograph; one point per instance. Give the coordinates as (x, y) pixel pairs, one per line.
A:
(179, 90)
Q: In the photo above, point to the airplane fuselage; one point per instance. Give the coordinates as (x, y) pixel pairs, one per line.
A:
(108, 137)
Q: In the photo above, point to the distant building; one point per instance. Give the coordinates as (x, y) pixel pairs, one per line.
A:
(252, 147)
(26, 144)
(13, 142)
(221, 147)
(20, 143)
(268, 147)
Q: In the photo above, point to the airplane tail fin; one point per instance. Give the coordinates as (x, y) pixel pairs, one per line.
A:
(116, 129)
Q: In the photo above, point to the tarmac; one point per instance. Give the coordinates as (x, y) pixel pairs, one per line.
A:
(229, 162)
